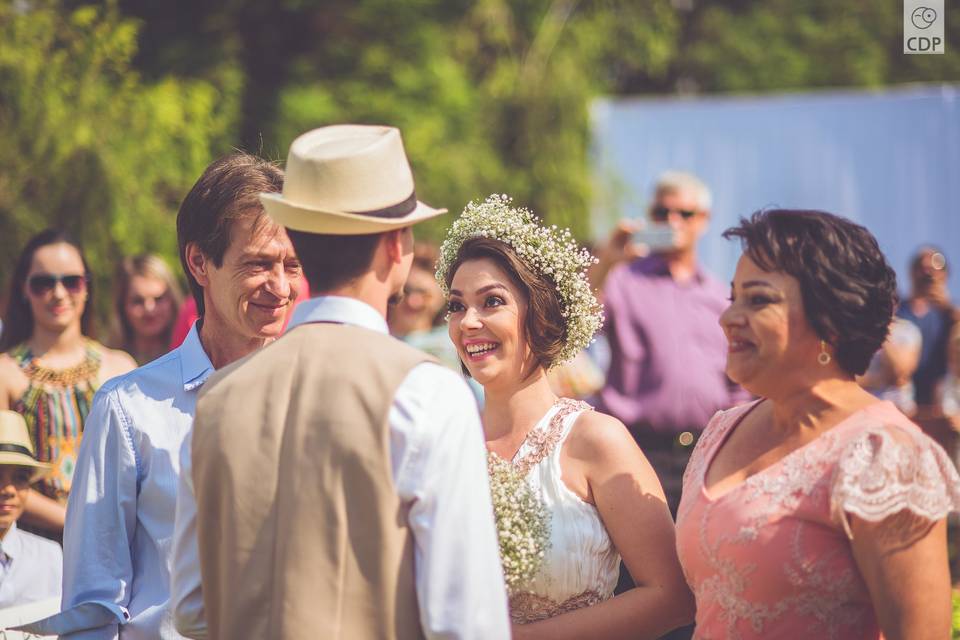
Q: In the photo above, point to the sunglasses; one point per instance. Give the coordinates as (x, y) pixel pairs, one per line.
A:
(44, 283)
(661, 213)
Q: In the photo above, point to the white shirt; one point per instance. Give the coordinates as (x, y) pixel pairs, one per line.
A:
(439, 470)
(31, 568)
(120, 514)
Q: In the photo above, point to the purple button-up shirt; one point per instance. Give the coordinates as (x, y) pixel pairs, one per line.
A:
(668, 352)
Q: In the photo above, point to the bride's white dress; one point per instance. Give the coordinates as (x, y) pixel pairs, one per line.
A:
(582, 566)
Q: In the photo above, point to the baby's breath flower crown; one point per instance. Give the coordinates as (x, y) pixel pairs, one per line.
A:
(548, 250)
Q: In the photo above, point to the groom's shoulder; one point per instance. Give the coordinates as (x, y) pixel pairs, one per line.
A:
(302, 345)
(256, 365)
(434, 388)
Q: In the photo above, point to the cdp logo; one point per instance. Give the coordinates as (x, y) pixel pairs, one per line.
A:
(923, 26)
(919, 44)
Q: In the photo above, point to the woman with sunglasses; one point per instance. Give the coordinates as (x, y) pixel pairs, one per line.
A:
(50, 367)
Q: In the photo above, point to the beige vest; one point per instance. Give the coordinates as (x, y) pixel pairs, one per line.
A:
(301, 532)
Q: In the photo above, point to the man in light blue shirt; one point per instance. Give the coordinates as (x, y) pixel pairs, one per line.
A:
(120, 517)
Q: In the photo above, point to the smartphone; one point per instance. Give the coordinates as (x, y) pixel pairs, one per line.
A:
(656, 236)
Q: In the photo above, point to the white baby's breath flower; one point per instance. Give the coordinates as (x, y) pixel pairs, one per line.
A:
(523, 523)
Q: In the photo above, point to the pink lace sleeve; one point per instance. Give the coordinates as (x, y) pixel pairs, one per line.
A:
(890, 469)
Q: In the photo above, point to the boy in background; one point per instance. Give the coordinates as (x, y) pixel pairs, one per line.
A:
(31, 567)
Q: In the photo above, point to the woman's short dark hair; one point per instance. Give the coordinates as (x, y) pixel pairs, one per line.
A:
(849, 291)
(228, 190)
(18, 323)
(545, 329)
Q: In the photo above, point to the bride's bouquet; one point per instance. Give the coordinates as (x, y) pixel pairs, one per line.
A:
(523, 523)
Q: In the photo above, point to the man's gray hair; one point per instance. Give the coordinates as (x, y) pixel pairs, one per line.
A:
(686, 182)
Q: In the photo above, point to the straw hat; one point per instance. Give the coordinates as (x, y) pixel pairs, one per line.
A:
(16, 447)
(347, 180)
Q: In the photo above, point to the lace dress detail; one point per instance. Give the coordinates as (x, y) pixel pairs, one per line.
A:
(526, 607)
(771, 557)
(582, 566)
(541, 442)
(55, 406)
(888, 470)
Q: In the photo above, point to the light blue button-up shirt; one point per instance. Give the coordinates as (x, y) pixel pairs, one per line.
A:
(120, 514)
(30, 568)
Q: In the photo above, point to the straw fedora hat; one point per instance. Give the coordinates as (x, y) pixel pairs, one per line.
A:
(16, 447)
(347, 179)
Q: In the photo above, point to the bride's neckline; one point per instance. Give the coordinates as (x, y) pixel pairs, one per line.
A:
(543, 437)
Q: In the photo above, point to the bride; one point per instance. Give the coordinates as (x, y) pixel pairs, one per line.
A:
(519, 303)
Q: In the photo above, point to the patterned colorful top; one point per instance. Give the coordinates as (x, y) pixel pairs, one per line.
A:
(771, 557)
(55, 406)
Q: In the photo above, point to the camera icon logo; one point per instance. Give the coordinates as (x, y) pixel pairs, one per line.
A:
(923, 17)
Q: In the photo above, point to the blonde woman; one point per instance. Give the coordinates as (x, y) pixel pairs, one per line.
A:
(147, 299)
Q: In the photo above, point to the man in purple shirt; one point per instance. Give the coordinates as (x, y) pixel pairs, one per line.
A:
(668, 353)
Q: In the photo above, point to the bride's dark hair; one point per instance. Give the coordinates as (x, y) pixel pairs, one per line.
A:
(544, 326)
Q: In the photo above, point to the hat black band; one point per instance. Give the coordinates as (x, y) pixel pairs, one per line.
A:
(394, 211)
(16, 448)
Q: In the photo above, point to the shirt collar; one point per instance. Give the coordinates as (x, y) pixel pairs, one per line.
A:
(12, 543)
(338, 309)
(195, 365)
(656, 264)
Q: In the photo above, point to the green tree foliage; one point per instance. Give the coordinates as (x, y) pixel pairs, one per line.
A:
(88, 146)
(492, 96)
(790, 44)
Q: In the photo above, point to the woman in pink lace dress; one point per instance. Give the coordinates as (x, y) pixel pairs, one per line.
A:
(817, 511)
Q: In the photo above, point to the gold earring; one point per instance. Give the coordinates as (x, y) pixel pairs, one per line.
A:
(823, 357)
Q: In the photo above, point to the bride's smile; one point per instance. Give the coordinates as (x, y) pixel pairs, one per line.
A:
(486, 321)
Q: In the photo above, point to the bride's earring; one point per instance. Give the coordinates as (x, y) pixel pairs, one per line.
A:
(824, 357)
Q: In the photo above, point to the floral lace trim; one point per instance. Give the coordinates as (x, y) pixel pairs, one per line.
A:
(527, 607)
(543, 441)
(821, 596)
(879, 476)
(878, 473)
(717, 427)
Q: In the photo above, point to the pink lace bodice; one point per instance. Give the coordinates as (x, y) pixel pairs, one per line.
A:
(771, 558)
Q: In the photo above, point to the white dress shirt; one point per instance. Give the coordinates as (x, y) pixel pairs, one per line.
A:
(439, 471)
(119, 530)
(31, 568)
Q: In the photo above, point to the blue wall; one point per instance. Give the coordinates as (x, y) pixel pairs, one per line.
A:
(889, 160)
